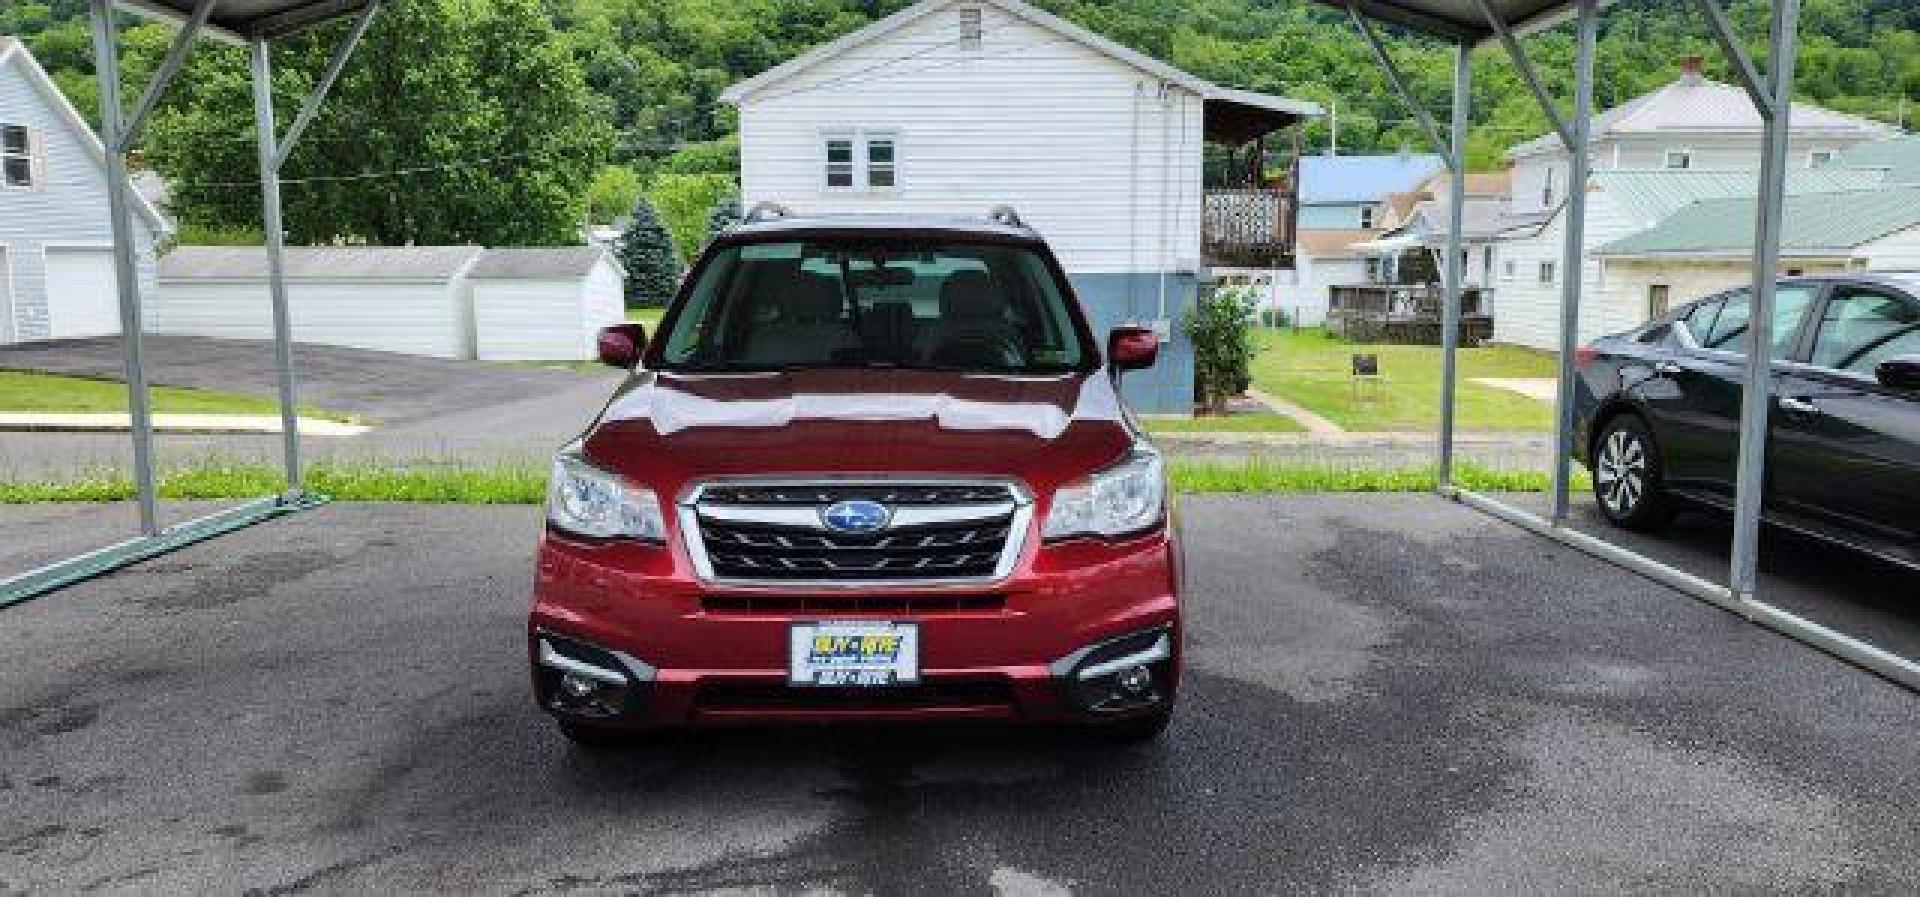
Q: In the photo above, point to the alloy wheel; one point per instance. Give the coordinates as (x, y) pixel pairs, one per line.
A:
(1621, 472)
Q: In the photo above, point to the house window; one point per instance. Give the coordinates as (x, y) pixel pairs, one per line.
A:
(1546, 189)
(1659, 297)
(1373, 270)
(1512, 269)
(1366, 217)
(1547, 272)
(970, 28)
(16, 156)
(1486, 263)
(1680, 158)
(1817, 158)
(839, 163)
(880, 161)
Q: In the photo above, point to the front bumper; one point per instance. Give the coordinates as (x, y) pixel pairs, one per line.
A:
(1048, 643)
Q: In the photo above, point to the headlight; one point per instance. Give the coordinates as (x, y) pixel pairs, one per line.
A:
(1128, 497)
(587, 501)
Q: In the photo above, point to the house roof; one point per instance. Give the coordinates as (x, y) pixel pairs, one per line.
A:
(400, 263)
(1898, 157)
(538, 262)
(12, 50)
(1696, 105)
(1328, 180)
(1331, 243)
(1246, 102)
(1652, 194)
(1812, 224)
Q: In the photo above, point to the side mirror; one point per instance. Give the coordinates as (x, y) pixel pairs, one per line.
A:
(621, 344)
(1132, 348)
(1902, 372)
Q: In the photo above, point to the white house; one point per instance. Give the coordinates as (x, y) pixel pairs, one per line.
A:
(1620, 204)
(57, 276)
(955, 106)
(440, 301)
(1345, 192)
(1692, 122)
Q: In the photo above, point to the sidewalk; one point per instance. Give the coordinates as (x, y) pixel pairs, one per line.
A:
(209, 424)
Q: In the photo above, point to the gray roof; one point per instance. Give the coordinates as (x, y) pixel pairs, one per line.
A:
(1652, 194)
(1899, 157)
(413, 263)
(1812, 224)
(538, 262)
(1691, 104)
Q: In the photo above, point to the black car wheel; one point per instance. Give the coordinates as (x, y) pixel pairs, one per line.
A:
(1627, 475)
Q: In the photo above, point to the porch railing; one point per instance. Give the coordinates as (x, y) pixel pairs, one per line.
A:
(1406, 313)
(1247, 228)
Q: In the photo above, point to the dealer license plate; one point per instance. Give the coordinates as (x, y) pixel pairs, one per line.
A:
(854, 653)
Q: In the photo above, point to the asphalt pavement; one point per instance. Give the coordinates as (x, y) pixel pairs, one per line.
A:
(1386, 694)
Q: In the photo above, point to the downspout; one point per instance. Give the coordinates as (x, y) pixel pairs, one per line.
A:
(1166, 187)
(1133, 197)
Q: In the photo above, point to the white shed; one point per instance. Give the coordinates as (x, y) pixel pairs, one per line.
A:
(410, 299)
(540, 303)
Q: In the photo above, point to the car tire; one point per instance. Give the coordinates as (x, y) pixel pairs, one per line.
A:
(1138, 730)
(1628, 475)
(593, 738)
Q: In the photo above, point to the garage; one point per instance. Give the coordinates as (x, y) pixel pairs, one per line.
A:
(544, 303)
(83, 293)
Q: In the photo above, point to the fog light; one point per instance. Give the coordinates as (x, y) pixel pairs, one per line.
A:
(1136, 680)
(577, 686)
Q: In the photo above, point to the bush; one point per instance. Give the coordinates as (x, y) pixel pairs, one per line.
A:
(613, 191)
(724, 214)
(1221, 327)
(685, 203)
(646, 250)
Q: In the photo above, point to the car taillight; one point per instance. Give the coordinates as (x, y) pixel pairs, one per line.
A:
(1585, 355)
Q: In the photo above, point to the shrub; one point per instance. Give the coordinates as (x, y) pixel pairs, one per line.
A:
(1220, 326)
(724, 214)
(685, 203)
(646, 250)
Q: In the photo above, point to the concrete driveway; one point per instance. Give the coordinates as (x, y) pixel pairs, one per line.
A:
(1386, 694)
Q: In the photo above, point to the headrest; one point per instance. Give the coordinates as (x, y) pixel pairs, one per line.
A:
(969, 295)
(812, 298)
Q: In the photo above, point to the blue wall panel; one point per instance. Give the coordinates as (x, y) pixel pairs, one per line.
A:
(1113, 300)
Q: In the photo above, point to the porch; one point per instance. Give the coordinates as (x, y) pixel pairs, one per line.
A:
(1406, 313)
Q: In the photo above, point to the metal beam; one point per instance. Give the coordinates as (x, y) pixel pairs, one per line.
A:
(1527, 73)
(160, 12)
(106, 67)
(311, 107)
(1455, 265)
(275, 233)
(1756, 402)
(1573, 268)
(61, 574)
(169, 67)
(1737, 55)
(1399, 83)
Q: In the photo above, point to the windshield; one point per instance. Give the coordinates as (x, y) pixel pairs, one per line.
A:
(979, 307)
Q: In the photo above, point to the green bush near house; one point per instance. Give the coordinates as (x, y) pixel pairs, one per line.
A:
(1221, 327)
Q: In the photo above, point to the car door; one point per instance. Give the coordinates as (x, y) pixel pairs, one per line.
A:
(1691, 395)
(1847, 448)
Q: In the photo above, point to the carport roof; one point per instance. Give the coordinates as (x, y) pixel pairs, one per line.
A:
(235, 19)
(1461, 20)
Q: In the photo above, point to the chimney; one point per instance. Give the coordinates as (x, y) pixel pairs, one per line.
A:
(1692, 67)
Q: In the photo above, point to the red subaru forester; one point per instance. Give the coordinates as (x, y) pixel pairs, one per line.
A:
(872, 468)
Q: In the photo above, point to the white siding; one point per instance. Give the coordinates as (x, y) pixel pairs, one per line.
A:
(1895, 252)
(1032, 119)
(1527, 312)
(67, 206)
(530, 320)
(417, 318)
(1306, 296)
(1715, 152)
(83, 292)
(605, 303)
(1629, 281)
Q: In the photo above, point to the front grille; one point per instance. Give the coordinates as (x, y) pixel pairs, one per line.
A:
(777, 696)
(916, 605)
(939, 531)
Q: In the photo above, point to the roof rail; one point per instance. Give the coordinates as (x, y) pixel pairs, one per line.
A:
(767, 211)
(1005, 215)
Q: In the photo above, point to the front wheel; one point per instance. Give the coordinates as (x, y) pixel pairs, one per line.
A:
(1627, 476)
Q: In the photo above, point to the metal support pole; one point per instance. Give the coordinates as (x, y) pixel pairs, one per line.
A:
(1736, 55)
(1455, 268)
(106, 66)
(276, 258)
(1399, 83)
(1756, 402)
(311, 107)
(1573, 269)
(169, 67)
(1524, 66)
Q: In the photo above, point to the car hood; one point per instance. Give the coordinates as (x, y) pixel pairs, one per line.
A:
(665, 429)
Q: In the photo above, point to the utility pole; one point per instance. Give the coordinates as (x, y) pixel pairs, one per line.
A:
(1333, 128)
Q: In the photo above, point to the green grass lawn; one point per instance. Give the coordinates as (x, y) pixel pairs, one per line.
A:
(1314, 369)
(1237, 423)
(26, 391)
(648, 316)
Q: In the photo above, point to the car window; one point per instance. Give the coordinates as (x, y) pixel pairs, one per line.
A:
(1861, 328)
(983, 307)
(1728, 332)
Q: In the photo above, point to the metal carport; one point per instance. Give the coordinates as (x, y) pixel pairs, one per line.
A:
(254, 24)
(1468, 24)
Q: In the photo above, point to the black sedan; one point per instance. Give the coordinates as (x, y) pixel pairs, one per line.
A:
(1658, 412)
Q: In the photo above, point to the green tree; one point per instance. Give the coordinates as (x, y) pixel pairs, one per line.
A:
(458, 121)
(685, 202)
(613, 192)
(1221, 327)
(724, 214)
(646, 251)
